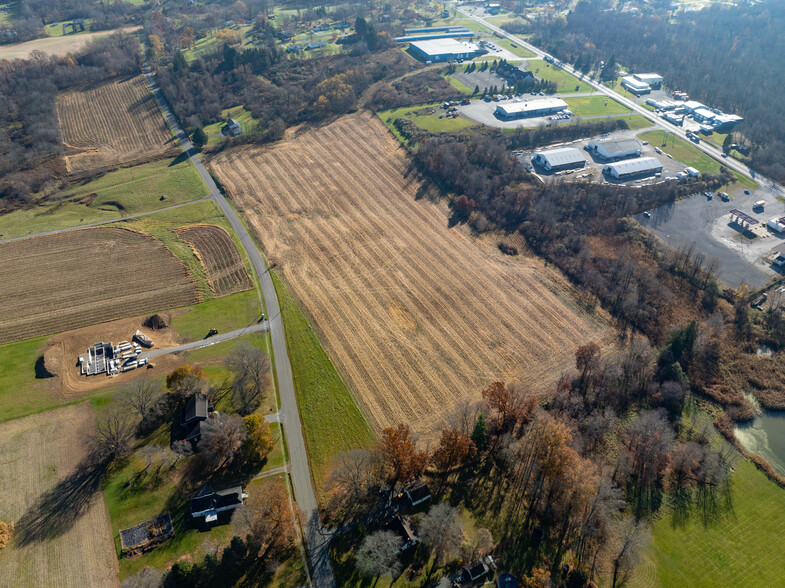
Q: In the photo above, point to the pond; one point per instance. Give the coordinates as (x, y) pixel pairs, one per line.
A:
(765, 436)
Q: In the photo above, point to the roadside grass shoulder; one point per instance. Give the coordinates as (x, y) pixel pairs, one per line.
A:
(691, 156)
(565, 82)
(113, 195)
(595, 105)
(722, 552)
(518, 50)
(331, 419)
(424, 119)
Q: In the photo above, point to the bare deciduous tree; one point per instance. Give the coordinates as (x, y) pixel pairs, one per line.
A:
(632, 540)
(442, 531)
(114, 434)
(354, 474)
(142, 397)
(222, 439)
(250, 366)
(378, 554)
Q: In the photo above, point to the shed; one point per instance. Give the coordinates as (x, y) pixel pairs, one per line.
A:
(558, 159)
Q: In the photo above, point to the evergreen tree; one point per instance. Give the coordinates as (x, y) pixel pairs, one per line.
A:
(199, 138)
(477, 90)
(480, 433)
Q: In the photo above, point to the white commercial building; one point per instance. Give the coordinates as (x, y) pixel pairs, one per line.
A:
(444, 49)
(558, 159)
(645, 166)
(529, 108)
(618, 149)
(777, 224)
(652, 79)
(635, 86)
(692, 105)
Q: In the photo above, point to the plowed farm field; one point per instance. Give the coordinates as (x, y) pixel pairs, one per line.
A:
(112, 124)
(63, 536)
(68, 280)
(416, 315)
(219, 256)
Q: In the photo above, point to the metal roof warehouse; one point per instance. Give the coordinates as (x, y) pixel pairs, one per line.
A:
(634, 167)
(616, 149)
(557, 159)
(542, 107)
(443, 49)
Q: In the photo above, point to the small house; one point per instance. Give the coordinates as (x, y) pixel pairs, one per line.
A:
(475, 570)
(402, 528)
(232, 127)
(208, 503)
(418, 493)
(194, 414)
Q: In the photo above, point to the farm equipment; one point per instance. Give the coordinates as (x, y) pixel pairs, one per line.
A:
(212, 332)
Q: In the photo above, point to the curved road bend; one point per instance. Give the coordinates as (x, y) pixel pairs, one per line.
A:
(316, 538)
(708, 149)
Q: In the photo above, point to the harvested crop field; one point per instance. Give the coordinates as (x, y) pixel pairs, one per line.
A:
(68, 280)
(219, 256)
(63, 536)
(111, 124)
(416, 315)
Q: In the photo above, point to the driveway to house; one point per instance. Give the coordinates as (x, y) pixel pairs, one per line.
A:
(255, 328)
(316, 538)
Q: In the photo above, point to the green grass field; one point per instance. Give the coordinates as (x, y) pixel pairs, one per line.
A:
(8, 12)
(743, 549)
(595, 105)
(635, 121)
(331, 419)
(689, 155)
(519, 51)
(227, 313)
(247, 122)
(422, 117)
(459, 85)
(565, 82)
(136, 189)
(56, 29)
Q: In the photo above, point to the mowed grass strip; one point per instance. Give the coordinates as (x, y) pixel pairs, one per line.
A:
(332, 421)
(118, 193)
(690, 155)
(742, 549)
(565, 82)
(595, 105)
(422, 116)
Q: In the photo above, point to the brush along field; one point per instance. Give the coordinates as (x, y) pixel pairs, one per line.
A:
(62, 535)
(113, 123)
(416, 315)
(68, 280)
(219, 256)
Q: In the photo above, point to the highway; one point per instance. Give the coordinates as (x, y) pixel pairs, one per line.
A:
(707, 148)
(316, 538)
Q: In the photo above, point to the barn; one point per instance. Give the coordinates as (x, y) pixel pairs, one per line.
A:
(645, 166)
(612, 150)
(559, 159)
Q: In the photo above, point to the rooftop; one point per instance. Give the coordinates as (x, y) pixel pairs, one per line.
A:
(565, 156)
(633, 83)
(207, 499)
(444, 46)
(533, 105)
(620, 145)
(196, 408)
(632, 166)
(648, 77)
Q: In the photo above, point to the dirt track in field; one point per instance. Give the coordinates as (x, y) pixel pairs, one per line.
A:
(219, 256)
(112, 124)
(416, 315)
(37, 453)
(68, 280)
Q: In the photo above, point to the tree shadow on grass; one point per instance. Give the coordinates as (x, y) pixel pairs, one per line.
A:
(56, 512)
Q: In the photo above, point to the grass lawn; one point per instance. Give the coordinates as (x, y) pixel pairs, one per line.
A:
(227, 313)
(519, 51)
(595, 105)
(247, 122)
(56, 29)
(331, 419)
(691, 156)
(422, 117)
(636, 121)
(741, 550)
(210, 43)
(565, 82)
(118, 193)
(12, 12)
(458, 85)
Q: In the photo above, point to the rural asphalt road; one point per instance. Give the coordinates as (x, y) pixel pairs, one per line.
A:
(255, 328)
(317, 539)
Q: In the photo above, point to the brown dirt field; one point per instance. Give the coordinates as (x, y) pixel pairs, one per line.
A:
(62, 350)
(36, 453)
(415, 315)
(64, 281)
(219, 256)
(56, 45)
(111, 124)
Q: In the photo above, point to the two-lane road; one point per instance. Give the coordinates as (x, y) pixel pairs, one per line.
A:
(316, 538)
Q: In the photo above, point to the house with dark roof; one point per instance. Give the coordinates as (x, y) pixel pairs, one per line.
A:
(418, 493)
(208, 502)
(232, 127)
(193, 415)
(402, 528)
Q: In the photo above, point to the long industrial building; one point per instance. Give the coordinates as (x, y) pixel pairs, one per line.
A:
(619, 149)
(635, 86)
(559, 159)
(443, 49)
(645, 166)
(653, 80)
(515, 110)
